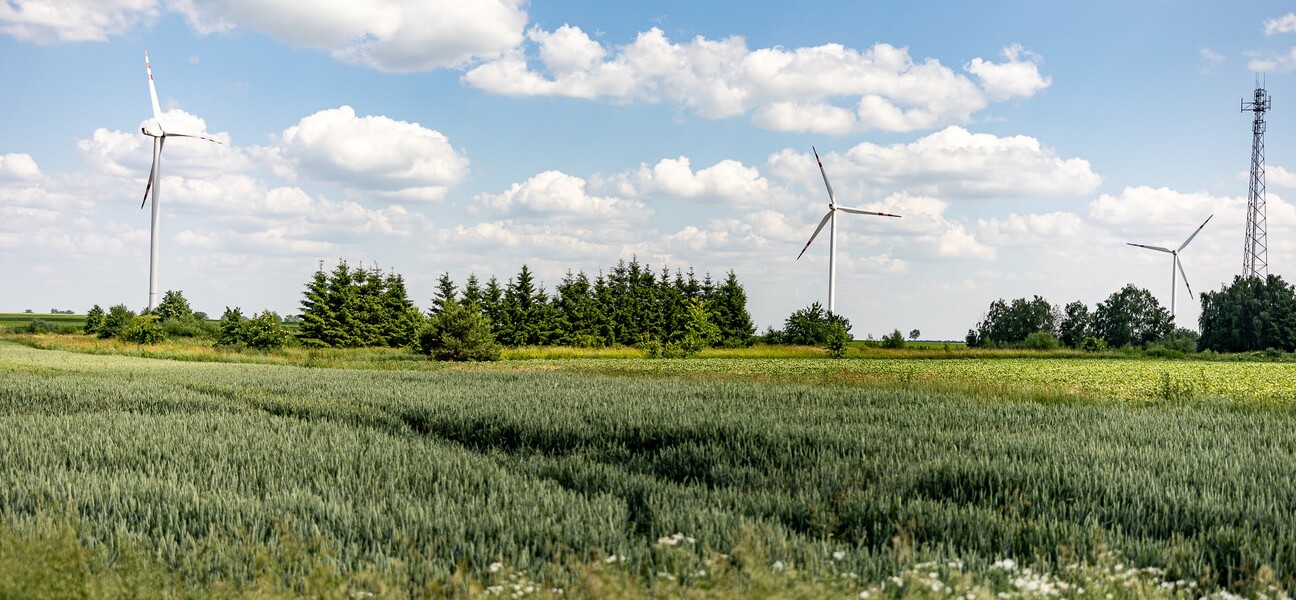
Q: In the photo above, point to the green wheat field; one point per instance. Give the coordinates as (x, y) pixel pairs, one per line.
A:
(126, 476)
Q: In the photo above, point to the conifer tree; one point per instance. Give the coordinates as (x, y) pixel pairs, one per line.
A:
(728, 301)
(445, 293)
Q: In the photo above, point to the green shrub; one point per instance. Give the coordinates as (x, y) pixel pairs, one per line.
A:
(94, 319)
(1041, 340)
(117, 319)
(262, 332)
(191, 327)
(142, 330)
(459, 334)
(265, 331)
(1093, 344)
(34, 326)
(894, 340)
(837, 340)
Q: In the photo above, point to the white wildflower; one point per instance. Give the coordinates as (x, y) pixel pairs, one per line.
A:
(778, 565)
(864, 594)
(839, 555)
(1006, 564)
(495, 567)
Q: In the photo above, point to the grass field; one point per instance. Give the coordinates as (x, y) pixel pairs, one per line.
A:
(8, 320)
(791, 477)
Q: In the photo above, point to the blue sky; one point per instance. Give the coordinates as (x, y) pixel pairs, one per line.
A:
(1024, 143)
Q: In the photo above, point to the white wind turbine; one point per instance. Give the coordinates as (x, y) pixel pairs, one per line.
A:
(1176, 267)
(155, 177)
(831, 217)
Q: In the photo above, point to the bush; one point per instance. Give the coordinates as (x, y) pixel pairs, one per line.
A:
(459, 334)
(656, 349)
(189, 327)
(1041, 340)
(837, 340)
(810, 326)
(142, 330)
(117, 319)
(94, 319)
(894, 340)
(262, 332)
(265, 331)
(1183, 341)
(1093, 344)
(34, 326)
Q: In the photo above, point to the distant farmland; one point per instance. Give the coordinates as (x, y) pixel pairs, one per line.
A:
(10, 319)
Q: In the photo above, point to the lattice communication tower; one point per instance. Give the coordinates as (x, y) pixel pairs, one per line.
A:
(1255, 255)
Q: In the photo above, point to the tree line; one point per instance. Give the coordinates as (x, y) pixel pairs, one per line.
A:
(629, 305)
(1247, 315)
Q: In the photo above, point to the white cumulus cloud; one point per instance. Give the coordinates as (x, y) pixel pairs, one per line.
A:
(389, 35)
(1283, 24)
(558, 195)
(370, 154)
(953, 162)
(19, 166)
(56, 21)
(829, 88)
(1017, 77)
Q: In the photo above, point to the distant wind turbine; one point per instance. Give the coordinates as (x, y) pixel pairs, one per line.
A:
(1176, 267)
(155, 178)
(831, 217)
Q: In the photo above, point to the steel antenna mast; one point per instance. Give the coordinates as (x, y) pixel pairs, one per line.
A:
(1255, 254)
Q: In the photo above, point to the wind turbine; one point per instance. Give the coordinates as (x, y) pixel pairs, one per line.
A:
(155, 178)
(831, 217)
(1176, 267)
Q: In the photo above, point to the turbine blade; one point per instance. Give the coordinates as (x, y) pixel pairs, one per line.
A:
(157, 108)
(148, 187)
(1190, 238)
(866, 212)
(193, 136)
(822, 222)
(1184, 275)
(831, 199)
(1157, 248)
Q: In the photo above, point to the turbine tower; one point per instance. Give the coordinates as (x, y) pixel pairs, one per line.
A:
(1176, 267)
(831, 217)
(1255, 253)
(155, 178)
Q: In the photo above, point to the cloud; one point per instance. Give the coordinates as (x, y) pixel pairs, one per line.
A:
(1283, 24)
(1280, 63)
(728, 182)
(371, 153)
(951, 163)
(1143, 208)
(1276, 175)
(554, 194)
(828, 89)
(18, 167)
(1017, 77)
(60, 21)
(388, 35)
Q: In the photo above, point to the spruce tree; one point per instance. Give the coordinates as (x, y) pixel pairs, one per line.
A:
(445, 293)
(729, 304)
